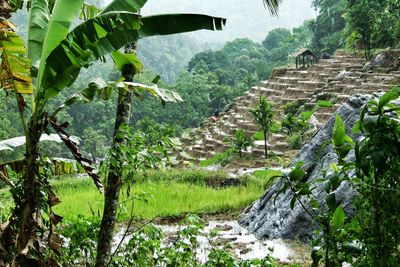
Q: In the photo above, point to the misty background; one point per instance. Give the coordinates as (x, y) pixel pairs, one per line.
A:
(245, 19)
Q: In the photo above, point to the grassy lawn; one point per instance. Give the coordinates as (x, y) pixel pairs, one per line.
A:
(157, 194)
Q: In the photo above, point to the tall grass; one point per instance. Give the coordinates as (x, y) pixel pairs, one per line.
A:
(160, 194)
(171, 193)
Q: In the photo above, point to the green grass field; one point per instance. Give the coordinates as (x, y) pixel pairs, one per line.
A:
(158, 194)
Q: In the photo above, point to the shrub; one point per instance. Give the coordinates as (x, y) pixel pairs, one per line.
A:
(294, 140)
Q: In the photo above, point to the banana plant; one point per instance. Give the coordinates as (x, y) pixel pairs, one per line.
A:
(55, 56)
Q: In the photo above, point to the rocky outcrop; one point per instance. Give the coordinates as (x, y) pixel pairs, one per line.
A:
(388, 60)
(269, 218)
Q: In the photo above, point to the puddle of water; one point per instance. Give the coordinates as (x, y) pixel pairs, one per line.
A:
(243, 244)
(243, 171)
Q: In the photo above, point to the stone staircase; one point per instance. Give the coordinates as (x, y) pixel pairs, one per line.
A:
(337, 78)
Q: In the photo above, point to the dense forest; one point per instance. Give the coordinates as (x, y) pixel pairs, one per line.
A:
(120, 90)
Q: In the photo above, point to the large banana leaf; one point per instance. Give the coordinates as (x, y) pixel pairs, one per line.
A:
(15, 67)
(98, 87)
(103, 89)
(88, 42)
(178, 23)
(65, 11)
(12, 143)
(163, 94)
(39, 16)
(124, 5)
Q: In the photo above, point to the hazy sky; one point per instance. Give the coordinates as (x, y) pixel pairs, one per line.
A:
(246, 18)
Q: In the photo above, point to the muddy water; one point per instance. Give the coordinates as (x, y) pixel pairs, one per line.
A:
(241, 243)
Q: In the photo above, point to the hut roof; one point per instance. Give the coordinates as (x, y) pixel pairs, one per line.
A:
(304, 51)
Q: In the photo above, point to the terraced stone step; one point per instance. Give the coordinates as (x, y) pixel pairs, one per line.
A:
(287, 85)
(310, 85)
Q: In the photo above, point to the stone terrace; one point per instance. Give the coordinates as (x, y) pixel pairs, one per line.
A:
(338, 77)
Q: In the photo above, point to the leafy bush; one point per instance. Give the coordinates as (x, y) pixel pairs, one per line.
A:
(294, 140)
(223, 158)
(292, 107)
(258, 136)
(82, 239)
(241, 141)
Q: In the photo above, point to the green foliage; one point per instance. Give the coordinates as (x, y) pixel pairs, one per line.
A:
(328, 26)
(241, 142)
(367, 29)
(145, 247)
(135, 154)
(295, 140)
(296, 127)
(377, 166)
(324, 104)
(281, 43)
(263, 114)
(258, 136)
(364, 24)
(276, 37)
(82, 234)
(372, 238)
(93, 143)
(292, 107)
(223, 158)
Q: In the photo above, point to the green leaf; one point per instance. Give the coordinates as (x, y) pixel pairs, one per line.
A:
(88, 11)
(132, 6)
(179, 23)
(15, 67)
(163, 94)
(122, 59)
(330, 200)
(338, 217)
(65, 11)
(297, 173)
(357, 128)
(389, 96)
(156, 79)
(292, 202)
(98, 87)
(339, 132)
(88, 42)
(39, 17)
(306, 115)
(324, 104)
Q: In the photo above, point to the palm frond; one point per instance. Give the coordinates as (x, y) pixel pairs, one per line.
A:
(272, 6)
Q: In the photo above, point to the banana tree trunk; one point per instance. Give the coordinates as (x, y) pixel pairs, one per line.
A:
(27, 206)
(114, 176)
